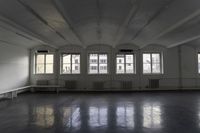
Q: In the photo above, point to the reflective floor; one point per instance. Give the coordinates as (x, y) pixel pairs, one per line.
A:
(138, 112)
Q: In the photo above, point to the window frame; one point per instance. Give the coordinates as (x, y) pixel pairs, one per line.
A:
(134, 64)
(88, 64)
(61, 64)
(35, 63)
(151, 65)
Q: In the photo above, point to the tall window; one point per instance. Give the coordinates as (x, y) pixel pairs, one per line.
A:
(199, 62)
(98, 64)
(125, 63)
(70, 64)
(44, 63)
(152, 63)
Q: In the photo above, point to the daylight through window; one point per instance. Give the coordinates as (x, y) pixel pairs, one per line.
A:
(44, 63)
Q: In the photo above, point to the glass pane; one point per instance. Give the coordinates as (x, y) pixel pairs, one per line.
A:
(129, 68)
(120, 68)
(66, 69)
(120, 58)
(156, 68)
(76, 68)
(199, 62)
(146, 68)
(40, 68)
(93, 59)
(93, 68)
(198, 58)
(146, 58)
(199, 67)
(76, 58)
(103, 58)
(40, 59)
(103, 68)
(49, 68)
(49, 58)
(66, 58)
(129, 58)
(155, 58)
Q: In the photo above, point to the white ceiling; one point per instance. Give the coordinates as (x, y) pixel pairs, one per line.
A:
(56, 23)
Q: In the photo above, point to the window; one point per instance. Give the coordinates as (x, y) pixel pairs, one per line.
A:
(152, 63)
(199, 62)
(125, 63)
(98, 64)
(44, 63)
(70, 64)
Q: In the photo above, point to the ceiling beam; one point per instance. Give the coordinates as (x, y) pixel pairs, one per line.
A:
(99, 17)
(34, 13)
(184, 35)
(173, 27)
(184, 41)
(59, 6)
(124, 26)
(23, 30)
(176, 13)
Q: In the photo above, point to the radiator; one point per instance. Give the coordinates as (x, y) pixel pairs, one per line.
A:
(98, 85)
(126, 85)
(154, 83)
(71, 84)
(42, 82)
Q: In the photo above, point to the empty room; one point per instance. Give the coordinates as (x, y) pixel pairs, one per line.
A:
(99, 66)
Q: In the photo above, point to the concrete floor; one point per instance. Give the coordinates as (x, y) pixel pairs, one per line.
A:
(142, 112)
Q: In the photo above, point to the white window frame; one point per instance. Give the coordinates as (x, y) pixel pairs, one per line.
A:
(134, 63)
(97, 64)
(161, 63)
(35, 63)
(61, 66)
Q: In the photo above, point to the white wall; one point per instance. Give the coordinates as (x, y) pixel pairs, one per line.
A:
(171, 77)
(14, 67)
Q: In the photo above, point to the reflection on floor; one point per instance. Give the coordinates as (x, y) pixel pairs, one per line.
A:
(102, 113)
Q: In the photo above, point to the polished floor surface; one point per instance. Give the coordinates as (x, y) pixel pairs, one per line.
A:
(137, 112)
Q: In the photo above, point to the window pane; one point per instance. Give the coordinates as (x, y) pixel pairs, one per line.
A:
(146, 68)
(155, 58)
(120, 68)
(129, 58)
(40, 68)
(155, 68)
(40, 59)
(199, 62)
(49, 68)
(93, 58)
(66, 58)
(103, 68)
(76, 68)
(129, 68)
(146, 58)
(49, 58)
(103, 58)
(66, 68)
(93, 68)
(76, 58)
(120, 58)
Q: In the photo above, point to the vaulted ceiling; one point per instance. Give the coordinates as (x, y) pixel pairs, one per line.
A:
(57, 23)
